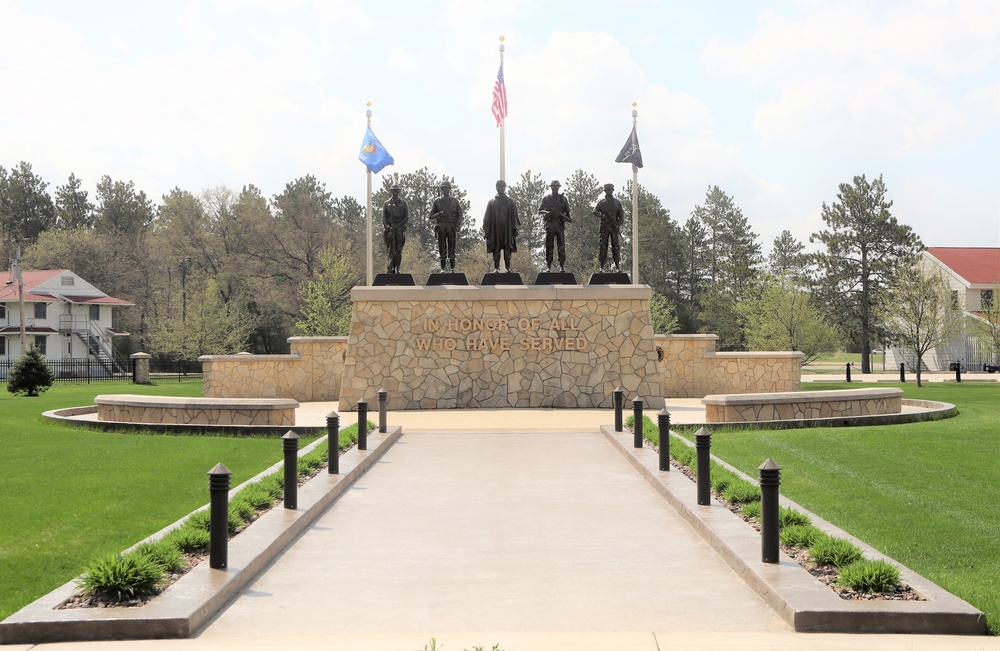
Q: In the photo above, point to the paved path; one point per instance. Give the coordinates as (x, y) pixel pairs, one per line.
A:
(501, 532)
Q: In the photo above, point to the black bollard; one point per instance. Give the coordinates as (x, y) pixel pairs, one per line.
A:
(218, 526)
(848, 371)
(902, 372)
(637, 424)
(958, 371)
(362, 424)
(619, 406)
(703, 448)
(383, 406)
(770, 478)
(663, 421)
(333, 441)
(290, 444)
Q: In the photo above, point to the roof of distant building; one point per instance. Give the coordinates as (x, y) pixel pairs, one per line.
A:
(976, 265)
(34, 279)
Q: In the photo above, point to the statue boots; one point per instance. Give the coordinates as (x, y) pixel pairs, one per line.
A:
(444, 264)
(452, 262)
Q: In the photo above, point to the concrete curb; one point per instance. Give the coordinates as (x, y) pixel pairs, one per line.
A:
(187, 605)
(800, 600)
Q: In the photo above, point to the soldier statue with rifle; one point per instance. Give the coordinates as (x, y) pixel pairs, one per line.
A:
(446, 213)
(554, 209)
(611, 214)
(395, 215)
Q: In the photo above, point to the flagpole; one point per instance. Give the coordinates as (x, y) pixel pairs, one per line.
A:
(635, 210)
(368, 113)
(503, 172)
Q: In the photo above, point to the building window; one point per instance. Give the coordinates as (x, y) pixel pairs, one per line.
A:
(95, 312)
(40, 309)
(954, 299)
(40, 343)
(3, 346)
(3, 312)
(986, 299)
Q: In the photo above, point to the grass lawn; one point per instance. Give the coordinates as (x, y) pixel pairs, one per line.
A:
(71, 494)
(926, 494)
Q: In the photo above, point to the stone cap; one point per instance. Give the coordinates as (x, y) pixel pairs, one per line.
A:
(502, 293)
(800, 396)
(175, 402)
(140, 356)
(243, 357)
(759, 354)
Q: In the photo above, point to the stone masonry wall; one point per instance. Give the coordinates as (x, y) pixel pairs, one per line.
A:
(311, 373)
(692, 369)
(456, 347)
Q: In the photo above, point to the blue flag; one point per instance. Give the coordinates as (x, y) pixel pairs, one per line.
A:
(373, 154)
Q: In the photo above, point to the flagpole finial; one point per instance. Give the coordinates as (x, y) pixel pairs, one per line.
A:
(369, 111)
(501, 42)
(635, 113)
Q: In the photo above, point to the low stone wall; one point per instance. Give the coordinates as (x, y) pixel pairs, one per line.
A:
(311, 373)
(801, 405)
(497, 347)
(130, 408)
(691, 368)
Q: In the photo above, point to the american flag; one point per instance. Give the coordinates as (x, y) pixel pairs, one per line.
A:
(499, 98)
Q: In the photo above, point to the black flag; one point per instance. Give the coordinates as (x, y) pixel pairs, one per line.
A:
(630, 152)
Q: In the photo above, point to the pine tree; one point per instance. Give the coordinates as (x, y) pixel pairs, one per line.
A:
(30, 375)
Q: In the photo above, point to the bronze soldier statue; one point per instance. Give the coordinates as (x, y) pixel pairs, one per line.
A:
(447, 215)
(395, 214)
(554, 209)
(500, 227)
(611, 214)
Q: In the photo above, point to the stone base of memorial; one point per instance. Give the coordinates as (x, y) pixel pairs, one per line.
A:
(502, 278)
(499, 347)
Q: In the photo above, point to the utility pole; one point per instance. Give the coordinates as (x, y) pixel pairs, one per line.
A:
(15, 276)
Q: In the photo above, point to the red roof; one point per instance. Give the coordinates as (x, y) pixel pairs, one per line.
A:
(977, 265)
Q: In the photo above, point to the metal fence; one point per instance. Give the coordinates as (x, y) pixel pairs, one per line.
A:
(79, 370)
(174, 369)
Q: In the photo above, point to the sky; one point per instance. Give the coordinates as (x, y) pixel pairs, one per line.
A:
(776, 103)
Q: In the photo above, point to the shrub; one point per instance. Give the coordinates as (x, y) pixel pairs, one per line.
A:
(751, 510)
(828, 550)
(722, 478)
(30, 374)
(121, 577)
(790, 517)
(164, 553)
(683, 454)
(741, 491)
(199, 520)
(189, 539)
(242, 509)
(869, 576)
(256, 496)
(800, 535)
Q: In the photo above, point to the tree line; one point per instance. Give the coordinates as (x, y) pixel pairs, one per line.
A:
(221, 270)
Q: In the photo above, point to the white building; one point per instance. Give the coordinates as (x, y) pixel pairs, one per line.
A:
(65, 317)
(973, 273)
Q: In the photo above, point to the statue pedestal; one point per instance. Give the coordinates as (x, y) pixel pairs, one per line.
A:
(502, 278)
(567, 346)
(445, 278)
(610, 278)
(555, 278)
(393, 280)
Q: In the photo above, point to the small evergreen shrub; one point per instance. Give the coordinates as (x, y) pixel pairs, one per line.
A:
(741, 492)
(164, 553)
(869, 576)
(800, 535)
(790, 517)
(751, 510)
(30, 374)
(121, 577)
(242, 509)
(189, 539)
(199, 520)
(828, 550)
(256, 496)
